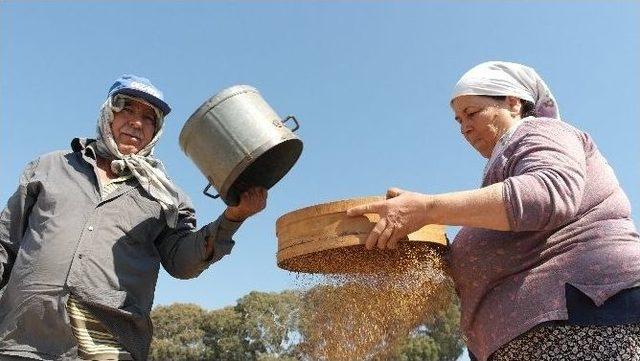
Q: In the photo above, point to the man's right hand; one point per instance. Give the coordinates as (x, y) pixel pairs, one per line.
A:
(251, 202)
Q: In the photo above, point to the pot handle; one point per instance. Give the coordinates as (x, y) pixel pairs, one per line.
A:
(294, 120)
(209, 194)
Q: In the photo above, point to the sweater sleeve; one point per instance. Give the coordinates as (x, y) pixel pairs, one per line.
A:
(546, 178)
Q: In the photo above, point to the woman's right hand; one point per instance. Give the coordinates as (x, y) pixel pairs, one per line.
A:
(403, 212)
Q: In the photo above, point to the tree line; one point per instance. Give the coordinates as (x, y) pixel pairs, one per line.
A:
(265, 326)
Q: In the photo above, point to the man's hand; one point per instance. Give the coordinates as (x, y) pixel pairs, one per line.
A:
(251, 202)
(402, 213)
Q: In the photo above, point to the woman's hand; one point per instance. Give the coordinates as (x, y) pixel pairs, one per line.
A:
(251, 202)
(403, 212)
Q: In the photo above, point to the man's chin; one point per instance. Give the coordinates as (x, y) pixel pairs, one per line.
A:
(128, 149)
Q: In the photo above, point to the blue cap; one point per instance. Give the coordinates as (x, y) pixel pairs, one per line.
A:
(140, 87)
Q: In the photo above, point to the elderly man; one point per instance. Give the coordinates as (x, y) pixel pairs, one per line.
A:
(82, 239)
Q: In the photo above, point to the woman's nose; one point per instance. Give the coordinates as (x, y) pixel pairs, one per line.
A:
(465, 127)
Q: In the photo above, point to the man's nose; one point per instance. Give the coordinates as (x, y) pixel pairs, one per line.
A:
(135, 121)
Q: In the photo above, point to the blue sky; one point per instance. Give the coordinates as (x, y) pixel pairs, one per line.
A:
(369, 83)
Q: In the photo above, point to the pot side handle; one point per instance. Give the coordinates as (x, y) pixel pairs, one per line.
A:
(209, 194)
(294, 120)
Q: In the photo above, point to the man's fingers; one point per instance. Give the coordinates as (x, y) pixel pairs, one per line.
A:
(262, 194)
(257, 199)
(253, 195)
(375, 233)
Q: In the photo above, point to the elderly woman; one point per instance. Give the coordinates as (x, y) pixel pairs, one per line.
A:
(547, 263)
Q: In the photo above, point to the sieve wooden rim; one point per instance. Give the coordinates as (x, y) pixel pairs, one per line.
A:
(323, 229)
(323, 208)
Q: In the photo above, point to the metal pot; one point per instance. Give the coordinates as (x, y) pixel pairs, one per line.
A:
(238, 141)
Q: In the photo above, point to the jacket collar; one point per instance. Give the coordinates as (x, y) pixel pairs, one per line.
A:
(82, 145)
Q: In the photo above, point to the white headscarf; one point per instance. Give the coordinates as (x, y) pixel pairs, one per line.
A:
(148, 170)
(500, 78)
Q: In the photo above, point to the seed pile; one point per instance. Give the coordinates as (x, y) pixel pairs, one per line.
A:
(365, 302)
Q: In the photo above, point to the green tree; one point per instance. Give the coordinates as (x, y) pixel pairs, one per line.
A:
(270, 322)
(445, 331)
(419, 348)
(261, 327)
(439, 340)
(178, 334)
(223, 336)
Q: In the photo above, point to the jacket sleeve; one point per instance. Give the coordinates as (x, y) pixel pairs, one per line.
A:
(183, 248)
(14, 219)
(547, 178)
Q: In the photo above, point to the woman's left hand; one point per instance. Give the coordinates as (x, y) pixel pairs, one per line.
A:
(251, 202)
(403, 212)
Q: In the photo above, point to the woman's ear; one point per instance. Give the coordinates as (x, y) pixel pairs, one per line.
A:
(514, 105)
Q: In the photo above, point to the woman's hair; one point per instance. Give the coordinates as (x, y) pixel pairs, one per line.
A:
(527, 109)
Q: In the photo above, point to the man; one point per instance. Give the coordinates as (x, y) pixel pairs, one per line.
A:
(82, 238)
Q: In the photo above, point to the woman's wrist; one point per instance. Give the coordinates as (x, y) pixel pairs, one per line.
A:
(430, 212)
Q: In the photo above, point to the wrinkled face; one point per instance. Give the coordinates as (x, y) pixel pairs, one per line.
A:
(483, 120)
(133, 127)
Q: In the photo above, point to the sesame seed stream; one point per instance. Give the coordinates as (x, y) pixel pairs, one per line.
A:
(361, 304)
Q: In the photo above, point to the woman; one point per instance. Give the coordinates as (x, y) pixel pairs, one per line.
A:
(547, 264)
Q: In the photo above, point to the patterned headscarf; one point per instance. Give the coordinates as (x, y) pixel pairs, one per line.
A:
(148, 170)
(499, 78)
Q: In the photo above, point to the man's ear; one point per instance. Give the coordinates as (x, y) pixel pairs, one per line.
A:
(515, 105)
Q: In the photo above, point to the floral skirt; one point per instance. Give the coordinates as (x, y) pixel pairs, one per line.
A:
(552, 341)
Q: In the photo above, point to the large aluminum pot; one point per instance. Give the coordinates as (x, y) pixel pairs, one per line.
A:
(238, 141)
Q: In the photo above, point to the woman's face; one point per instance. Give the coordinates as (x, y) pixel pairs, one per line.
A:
(483, 120)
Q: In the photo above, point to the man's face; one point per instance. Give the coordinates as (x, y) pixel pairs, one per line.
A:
(133, 127)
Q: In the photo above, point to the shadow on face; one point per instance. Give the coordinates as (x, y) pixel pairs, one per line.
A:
(483, 119)
(134, 126)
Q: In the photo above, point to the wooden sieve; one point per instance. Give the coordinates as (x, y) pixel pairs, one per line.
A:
(324, 231)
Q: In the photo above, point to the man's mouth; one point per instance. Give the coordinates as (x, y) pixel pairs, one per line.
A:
(133, 137)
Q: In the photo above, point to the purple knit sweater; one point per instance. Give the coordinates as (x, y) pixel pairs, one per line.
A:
(571, 224)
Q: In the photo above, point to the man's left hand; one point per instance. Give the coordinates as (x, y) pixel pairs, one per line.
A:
(251, 202)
